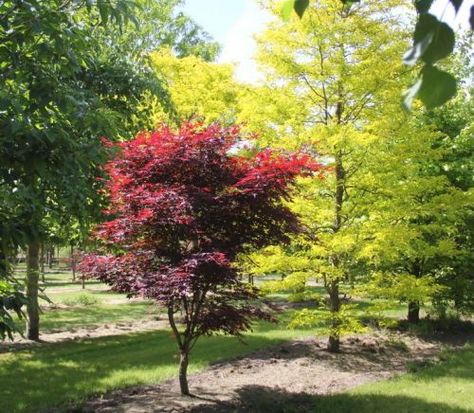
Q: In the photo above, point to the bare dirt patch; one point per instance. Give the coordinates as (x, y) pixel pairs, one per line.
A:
(77, 334)
(294, 371)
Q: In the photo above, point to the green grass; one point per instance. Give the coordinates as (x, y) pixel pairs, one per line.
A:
(65, 374)
(447, 387)
(87, 316)
(57, 374)
(73, 307)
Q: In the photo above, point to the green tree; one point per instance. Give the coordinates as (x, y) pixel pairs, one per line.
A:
(331, 77)
(413, 216)
(197, 89)
(433, 40)
(68, 76)
(454, 124)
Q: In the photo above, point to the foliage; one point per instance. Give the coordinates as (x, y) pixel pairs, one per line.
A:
(433, 40)
(329, 86)
(335, 324)
(183, 207)
(11, 301)
(157, 24)
(454, 122)
(274, 259)
(196, 88)
(401, 287)
(71, 72)
(47, 116)
(414, 215)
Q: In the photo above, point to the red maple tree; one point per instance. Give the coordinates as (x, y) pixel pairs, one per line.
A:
(182, 207)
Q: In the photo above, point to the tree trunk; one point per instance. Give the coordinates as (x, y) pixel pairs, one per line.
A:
(183, 373)
(32, 277)
(42, 263)
(334, 307)
(73, 264)
(334, 300)
(414, 312)
(51, 256)
(3, 264)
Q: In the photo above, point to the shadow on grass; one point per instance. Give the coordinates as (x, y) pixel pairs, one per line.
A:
(67, 373)
(76, 317)
(260, 399)
(425, 387)
(458, 365)
(67, 319)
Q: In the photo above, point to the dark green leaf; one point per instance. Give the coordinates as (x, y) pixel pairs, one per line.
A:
(300, 7)
(442, 41)
(422, 6)
(456, 4)
(437, 87)
(414, 54)
(104, 12)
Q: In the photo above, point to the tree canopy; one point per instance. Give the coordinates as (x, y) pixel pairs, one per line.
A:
(182, 208)
(433, 40)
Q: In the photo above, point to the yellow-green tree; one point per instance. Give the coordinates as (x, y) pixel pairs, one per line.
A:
(414, 215)
(331, 77)
(197, 88)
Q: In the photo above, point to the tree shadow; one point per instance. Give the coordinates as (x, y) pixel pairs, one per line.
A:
(59, 374)
(260, 399)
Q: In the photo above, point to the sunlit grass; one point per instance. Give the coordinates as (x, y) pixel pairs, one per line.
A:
(62, 373)
(69, 307)
(447, 387)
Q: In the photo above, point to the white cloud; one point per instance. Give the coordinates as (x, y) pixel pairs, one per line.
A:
(240, 47)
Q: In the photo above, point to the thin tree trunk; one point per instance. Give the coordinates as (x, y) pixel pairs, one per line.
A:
(51, 256)
(183, 372)
(73, 264)
(4, 270)
(32, 277)
(184, 348)
(42, 263)
(414, 312)
(334, 307)
(334, 300)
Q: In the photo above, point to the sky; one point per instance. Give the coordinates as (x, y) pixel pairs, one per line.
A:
(233, 23)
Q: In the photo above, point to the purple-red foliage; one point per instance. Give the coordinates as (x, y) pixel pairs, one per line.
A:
(182, 207)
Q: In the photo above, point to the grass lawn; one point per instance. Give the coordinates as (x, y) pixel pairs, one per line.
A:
(73, 307)
(68, 372)
(447, 387)
(76, 317)
(65, 374)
